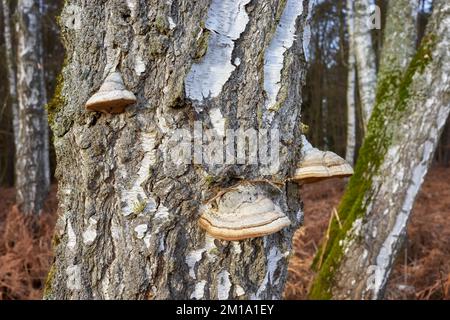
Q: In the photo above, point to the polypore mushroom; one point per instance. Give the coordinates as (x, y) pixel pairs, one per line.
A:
(319, 165)
(112, 97)
(242, 213)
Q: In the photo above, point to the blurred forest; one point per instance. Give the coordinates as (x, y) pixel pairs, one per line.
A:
(22, 276)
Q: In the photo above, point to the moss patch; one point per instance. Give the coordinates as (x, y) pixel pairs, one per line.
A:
(57, 101)
(157, 45)
(162, 25)
(139, 207)
(201, 45)
(281, 98)
(49, 281)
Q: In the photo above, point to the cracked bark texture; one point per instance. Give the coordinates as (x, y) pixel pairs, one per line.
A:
(32, 149)
(413, 103)
(128, 214)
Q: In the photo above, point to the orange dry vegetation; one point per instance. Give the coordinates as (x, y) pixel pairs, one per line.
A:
(25, 249)
(422, 273)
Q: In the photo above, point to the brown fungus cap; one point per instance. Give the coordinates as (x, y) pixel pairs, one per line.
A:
(112, 97)
(318, 165)
(242, 213)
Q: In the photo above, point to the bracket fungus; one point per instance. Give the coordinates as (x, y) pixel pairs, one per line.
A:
(319, 165)
(242, 213)
(112, 97)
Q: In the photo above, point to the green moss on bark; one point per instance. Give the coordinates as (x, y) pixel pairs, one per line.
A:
(57, 101)
(279, 11)
(394, 86)
(201, 45)
(49, 281)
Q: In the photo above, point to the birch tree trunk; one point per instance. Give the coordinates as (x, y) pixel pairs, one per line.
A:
(32, 160)
(45, 133)
(362, 61)
(10, 66)
(128, 211)
(365, 57)
(351, 82)
(411, 110)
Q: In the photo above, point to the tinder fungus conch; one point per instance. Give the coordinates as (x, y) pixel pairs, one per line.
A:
(242, 213)
(318, 165)
(112, 97)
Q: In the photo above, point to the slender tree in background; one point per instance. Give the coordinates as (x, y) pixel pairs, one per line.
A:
(351, 87)
(32, 156)
(412, 106)
(42, 54)
(10, 66)
(363, 50)
(361, 58)
(128, 212)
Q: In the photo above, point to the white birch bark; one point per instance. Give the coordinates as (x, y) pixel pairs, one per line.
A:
(12, 87)
(32, 159)
(365, 57)
(351, 83)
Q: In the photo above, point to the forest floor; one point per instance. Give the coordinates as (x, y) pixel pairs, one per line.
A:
(422, 271)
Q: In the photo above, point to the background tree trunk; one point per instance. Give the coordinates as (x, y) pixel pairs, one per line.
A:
(365, 57)
(351, 87)
(128, 214)
(42, 75)
(411, 110)
(9, 53)
(32, 163)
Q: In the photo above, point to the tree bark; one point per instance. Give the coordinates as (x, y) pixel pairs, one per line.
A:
(365, 58)
(128, 212)
(400, 37)
(10, 66)
(42, 76)
(32, 163)
(411, 110)
(351, 87)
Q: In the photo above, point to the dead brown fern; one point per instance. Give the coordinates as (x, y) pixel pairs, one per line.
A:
(25, 254)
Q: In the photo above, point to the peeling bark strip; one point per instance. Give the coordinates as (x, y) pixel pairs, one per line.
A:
(274, 55)
(128, 226)
(32, 163)
(226, 21)
(411, 111)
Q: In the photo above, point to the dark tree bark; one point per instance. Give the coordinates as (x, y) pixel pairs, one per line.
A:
(32, 149)
(10, 66)
(128, 214)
